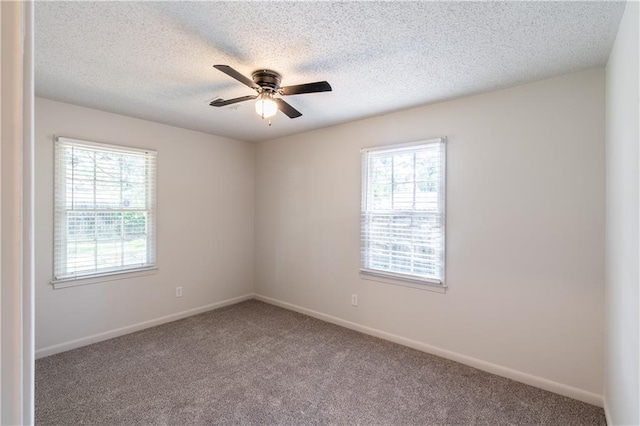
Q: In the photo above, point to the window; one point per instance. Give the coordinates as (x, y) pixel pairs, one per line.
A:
(403, 211)
(104, 209)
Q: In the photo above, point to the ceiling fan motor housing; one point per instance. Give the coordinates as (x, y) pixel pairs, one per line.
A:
(267, 79)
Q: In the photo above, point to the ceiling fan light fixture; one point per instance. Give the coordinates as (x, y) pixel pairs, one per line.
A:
(266, 107)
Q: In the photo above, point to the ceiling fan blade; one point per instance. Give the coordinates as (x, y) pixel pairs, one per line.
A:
(222, 102)
(287, 109)
(235, 74)
(319, 86)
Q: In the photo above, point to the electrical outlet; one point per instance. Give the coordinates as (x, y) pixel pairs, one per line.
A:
(178, 291)
(354, 299)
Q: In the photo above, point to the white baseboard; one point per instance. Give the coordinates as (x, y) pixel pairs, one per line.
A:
(518, 376)
(607, 413)
(73, 344)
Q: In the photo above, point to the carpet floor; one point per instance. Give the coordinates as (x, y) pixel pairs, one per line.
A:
(253, 363)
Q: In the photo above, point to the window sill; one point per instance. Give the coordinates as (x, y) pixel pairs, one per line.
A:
(110, 276)
(370, 275)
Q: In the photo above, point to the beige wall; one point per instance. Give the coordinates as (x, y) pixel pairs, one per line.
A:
(525, 230)
(205, 205)
(622, 391)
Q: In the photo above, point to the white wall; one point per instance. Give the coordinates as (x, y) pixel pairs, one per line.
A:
(205, 205)
(525, 229)
(622, 391)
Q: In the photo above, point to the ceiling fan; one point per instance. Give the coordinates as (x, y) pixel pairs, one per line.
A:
(267, 84)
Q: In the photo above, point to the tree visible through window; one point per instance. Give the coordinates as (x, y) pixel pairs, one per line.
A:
(104, 209)
(403, 201)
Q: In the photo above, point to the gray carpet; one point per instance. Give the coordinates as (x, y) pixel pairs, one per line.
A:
(253, 363)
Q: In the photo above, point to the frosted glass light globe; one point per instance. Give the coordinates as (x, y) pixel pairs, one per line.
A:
(266, 107)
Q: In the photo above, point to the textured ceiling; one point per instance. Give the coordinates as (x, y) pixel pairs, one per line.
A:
(153, 60)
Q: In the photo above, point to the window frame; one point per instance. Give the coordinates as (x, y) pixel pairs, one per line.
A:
(150, 182)
(398, 278)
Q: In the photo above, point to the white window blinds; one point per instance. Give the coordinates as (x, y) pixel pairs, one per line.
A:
(403, 211)
(105, 215)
